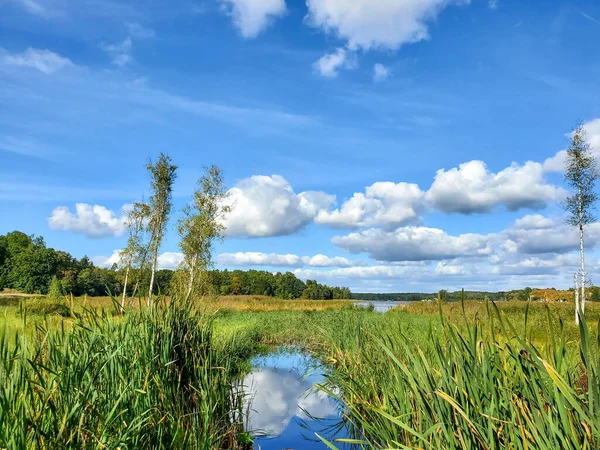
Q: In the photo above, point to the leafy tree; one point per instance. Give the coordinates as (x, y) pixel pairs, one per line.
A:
(202, 224)
(55, 291)
(3, 262)
(162, 176)
(581, 174)
(134, 252)
(87, 282)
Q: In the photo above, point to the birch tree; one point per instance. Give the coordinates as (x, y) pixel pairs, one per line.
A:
(581, 174)
(136, 222)
(162, 177)
(202, 225)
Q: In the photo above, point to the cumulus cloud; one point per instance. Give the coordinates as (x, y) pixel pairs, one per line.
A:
(93, 221)
(268, 206)
(253, 16)
(45, 61)
(472, 188)
(384, 204)
(330, 64)
(535, 234)
(592, 135)
(380, 73)
(413, 244)
(166, 260)
(349, 273)
(169, 260)
(288, 260)
(107, 262)
(385, 24)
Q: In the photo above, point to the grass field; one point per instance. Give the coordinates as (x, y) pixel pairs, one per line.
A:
(474, 375)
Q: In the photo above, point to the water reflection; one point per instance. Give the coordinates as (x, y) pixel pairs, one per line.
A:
(284, 411)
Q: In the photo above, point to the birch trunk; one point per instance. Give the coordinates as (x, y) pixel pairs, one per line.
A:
(582, 300)
(154, 261)
(192, 275)
(125, 287)
(581, 250)
(576, 299)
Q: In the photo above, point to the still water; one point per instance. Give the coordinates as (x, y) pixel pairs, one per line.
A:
(285, 413)
(381, 306)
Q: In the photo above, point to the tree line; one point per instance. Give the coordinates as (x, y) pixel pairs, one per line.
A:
(29, 266)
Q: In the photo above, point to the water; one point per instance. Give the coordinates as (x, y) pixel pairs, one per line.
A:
(284, 412)
(382, 306)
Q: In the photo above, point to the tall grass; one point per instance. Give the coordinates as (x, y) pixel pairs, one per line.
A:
(469, 387)
(152, 379)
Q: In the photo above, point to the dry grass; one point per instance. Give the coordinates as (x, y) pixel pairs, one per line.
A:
(259, 303)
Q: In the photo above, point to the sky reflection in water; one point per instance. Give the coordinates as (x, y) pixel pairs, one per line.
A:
(280, 396)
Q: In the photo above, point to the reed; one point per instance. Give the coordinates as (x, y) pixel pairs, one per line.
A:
(469, 387)
(152, 379)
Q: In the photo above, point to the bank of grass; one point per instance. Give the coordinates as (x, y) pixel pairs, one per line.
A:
(478, 381)
(475, 376)
(155, 378)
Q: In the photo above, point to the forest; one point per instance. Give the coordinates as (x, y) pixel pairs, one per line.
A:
(29, 266)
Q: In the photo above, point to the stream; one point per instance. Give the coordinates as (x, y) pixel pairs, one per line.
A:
(284, 413)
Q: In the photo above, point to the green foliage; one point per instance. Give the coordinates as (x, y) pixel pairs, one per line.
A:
(162, 177)
(55, 291)
(581, 174)
(111, 383)
(202, 225)
(479, 385)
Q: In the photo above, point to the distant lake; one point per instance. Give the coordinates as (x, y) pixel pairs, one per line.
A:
(381, 306)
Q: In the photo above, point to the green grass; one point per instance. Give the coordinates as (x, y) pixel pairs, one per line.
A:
(466, 386)
(153, 379)
(519, 376)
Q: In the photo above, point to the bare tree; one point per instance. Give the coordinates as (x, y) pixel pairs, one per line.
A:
(581, 174)
(136, 221)
(162, 176)
(202, 224)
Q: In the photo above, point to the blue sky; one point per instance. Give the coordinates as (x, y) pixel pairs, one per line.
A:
(414, 144)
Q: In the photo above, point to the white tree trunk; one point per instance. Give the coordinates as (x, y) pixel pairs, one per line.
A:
(576, 299)
(582, 300)
(125, 287)
(192, 275)
(154, 261)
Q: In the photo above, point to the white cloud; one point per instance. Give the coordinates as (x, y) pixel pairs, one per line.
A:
(384, 204)
(288, 260)
(93, 221)
(449, 268)
(169, 260)
(45, 61)
(120, 52)
(139, 32)
(330, 64)
(380, 73)
(103, 261)
(268, 206)
(592, 130)
(166, 260)
(369, 272)
(472, 188)
(493, 4)
(413, 244)
(385, 24)
(536, 234)
(253, 16)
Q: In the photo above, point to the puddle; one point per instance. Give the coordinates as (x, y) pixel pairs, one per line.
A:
(285, 413)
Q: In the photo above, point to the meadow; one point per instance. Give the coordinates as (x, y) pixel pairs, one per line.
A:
(79, 374)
